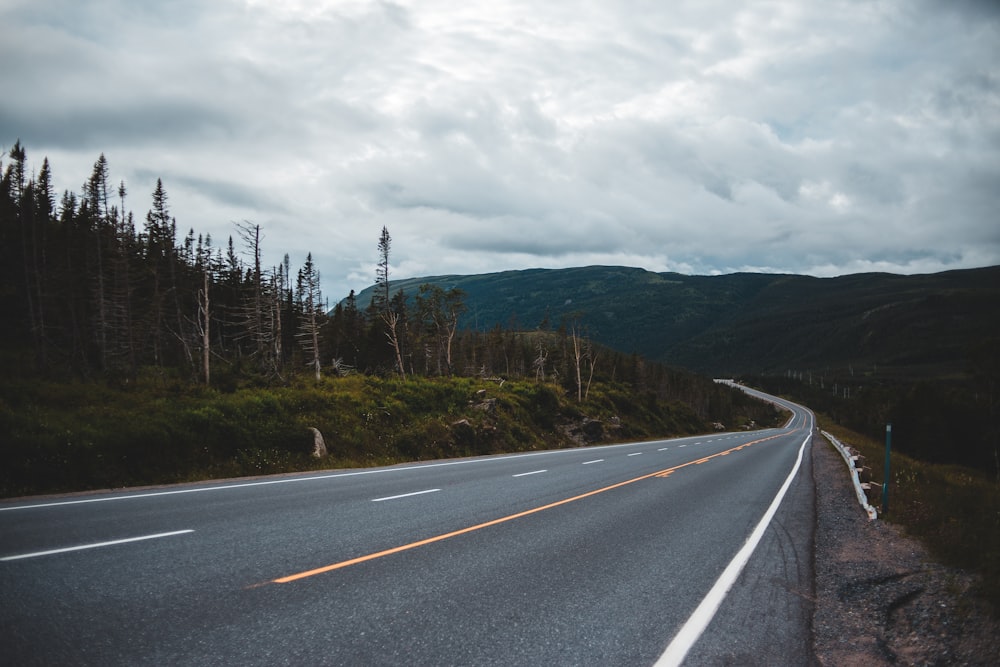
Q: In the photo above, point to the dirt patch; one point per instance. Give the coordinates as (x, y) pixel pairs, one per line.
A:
(880, 599)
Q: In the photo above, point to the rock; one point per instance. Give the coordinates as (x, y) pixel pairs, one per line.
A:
(593, 429)
(319, 445)
(464, 432)
(488, 406)
(586, 431)
(463, 426)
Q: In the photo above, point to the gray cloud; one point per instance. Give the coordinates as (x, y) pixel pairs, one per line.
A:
(694, 136)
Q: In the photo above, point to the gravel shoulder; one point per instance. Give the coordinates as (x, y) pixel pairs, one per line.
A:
(880, 598)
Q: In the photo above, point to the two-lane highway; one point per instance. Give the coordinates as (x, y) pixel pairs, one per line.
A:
(599, 555)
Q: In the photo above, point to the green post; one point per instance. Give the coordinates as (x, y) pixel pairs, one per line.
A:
(885, 475)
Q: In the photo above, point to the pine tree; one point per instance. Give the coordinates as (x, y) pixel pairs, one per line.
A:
(43, 206)
(381, 302)
(159, 241)
(381, 295)
(438, 311)
(19, 194)
(310, 304)
(121, 290)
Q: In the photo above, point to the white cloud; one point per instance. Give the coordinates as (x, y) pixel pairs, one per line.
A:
(693, 136)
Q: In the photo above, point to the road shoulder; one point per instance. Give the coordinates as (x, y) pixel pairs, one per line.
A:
(880, 598)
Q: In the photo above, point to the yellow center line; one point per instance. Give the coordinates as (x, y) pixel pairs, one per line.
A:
(479, 526)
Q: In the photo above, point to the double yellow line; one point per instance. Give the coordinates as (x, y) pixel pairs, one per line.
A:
(479, 526)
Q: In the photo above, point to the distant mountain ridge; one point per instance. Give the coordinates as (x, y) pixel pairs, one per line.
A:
(748, 322)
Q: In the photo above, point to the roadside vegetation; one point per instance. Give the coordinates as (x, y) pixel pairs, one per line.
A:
(71, 436)
(945, 472)
(954, 510)
(133, 356)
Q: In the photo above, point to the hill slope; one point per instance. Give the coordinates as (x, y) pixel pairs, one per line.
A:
(748, 323)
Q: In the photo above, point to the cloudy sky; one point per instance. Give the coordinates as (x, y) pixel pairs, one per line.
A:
(699, 136)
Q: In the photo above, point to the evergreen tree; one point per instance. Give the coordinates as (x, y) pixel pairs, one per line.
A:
(438, 311)
(392, 317)
(381, 295)
(310, 305)
(159, 253)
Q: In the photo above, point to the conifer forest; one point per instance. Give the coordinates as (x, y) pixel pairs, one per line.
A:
(136, 352)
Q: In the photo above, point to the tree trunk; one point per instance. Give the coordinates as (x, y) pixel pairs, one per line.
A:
(577, 359)
(206, 340)
(392, 320)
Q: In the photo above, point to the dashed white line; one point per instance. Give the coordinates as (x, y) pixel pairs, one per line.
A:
(635, 454)
(587, 463)
(95, 545)
(404, 495)
(662, 449)
(533, 472)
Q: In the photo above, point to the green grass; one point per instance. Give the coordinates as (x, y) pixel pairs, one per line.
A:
(953, 510)
(76, 436)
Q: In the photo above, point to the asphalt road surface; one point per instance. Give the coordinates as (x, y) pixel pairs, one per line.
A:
(695, 549)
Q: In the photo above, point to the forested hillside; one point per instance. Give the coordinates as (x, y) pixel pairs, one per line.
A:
(133, 353)
(920, 351)
(903, 326)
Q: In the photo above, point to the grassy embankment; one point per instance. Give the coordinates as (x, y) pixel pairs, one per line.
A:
(74, 436)
(953, 510)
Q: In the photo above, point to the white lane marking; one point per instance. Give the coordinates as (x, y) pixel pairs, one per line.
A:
(636, 454)
(533, 472)
(587, 463)
(315, 478)
(693, 628)
(311, 478)
(662, 449)
(697, 443)
(405, 495)
(95, 545)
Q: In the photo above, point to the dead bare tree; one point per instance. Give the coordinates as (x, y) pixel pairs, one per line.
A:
(204, 327)
(583, 354)
(261, 304)
(539, 362)
(391, 319)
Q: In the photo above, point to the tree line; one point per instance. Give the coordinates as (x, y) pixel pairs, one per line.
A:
(95, 293)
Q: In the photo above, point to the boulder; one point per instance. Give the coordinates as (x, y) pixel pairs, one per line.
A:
(488, 406)
(319, 445)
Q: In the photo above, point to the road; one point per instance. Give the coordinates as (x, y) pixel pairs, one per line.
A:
(594, 556)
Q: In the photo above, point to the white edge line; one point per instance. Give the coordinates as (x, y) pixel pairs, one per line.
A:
(95, 545)
(703, 614)
(405, 495)
(533, 472)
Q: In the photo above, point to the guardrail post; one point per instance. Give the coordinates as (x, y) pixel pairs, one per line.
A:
(885, 476)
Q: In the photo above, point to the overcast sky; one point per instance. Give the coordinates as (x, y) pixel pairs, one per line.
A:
(701, 136)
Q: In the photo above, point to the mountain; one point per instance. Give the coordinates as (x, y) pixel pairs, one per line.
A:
(906, 326)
